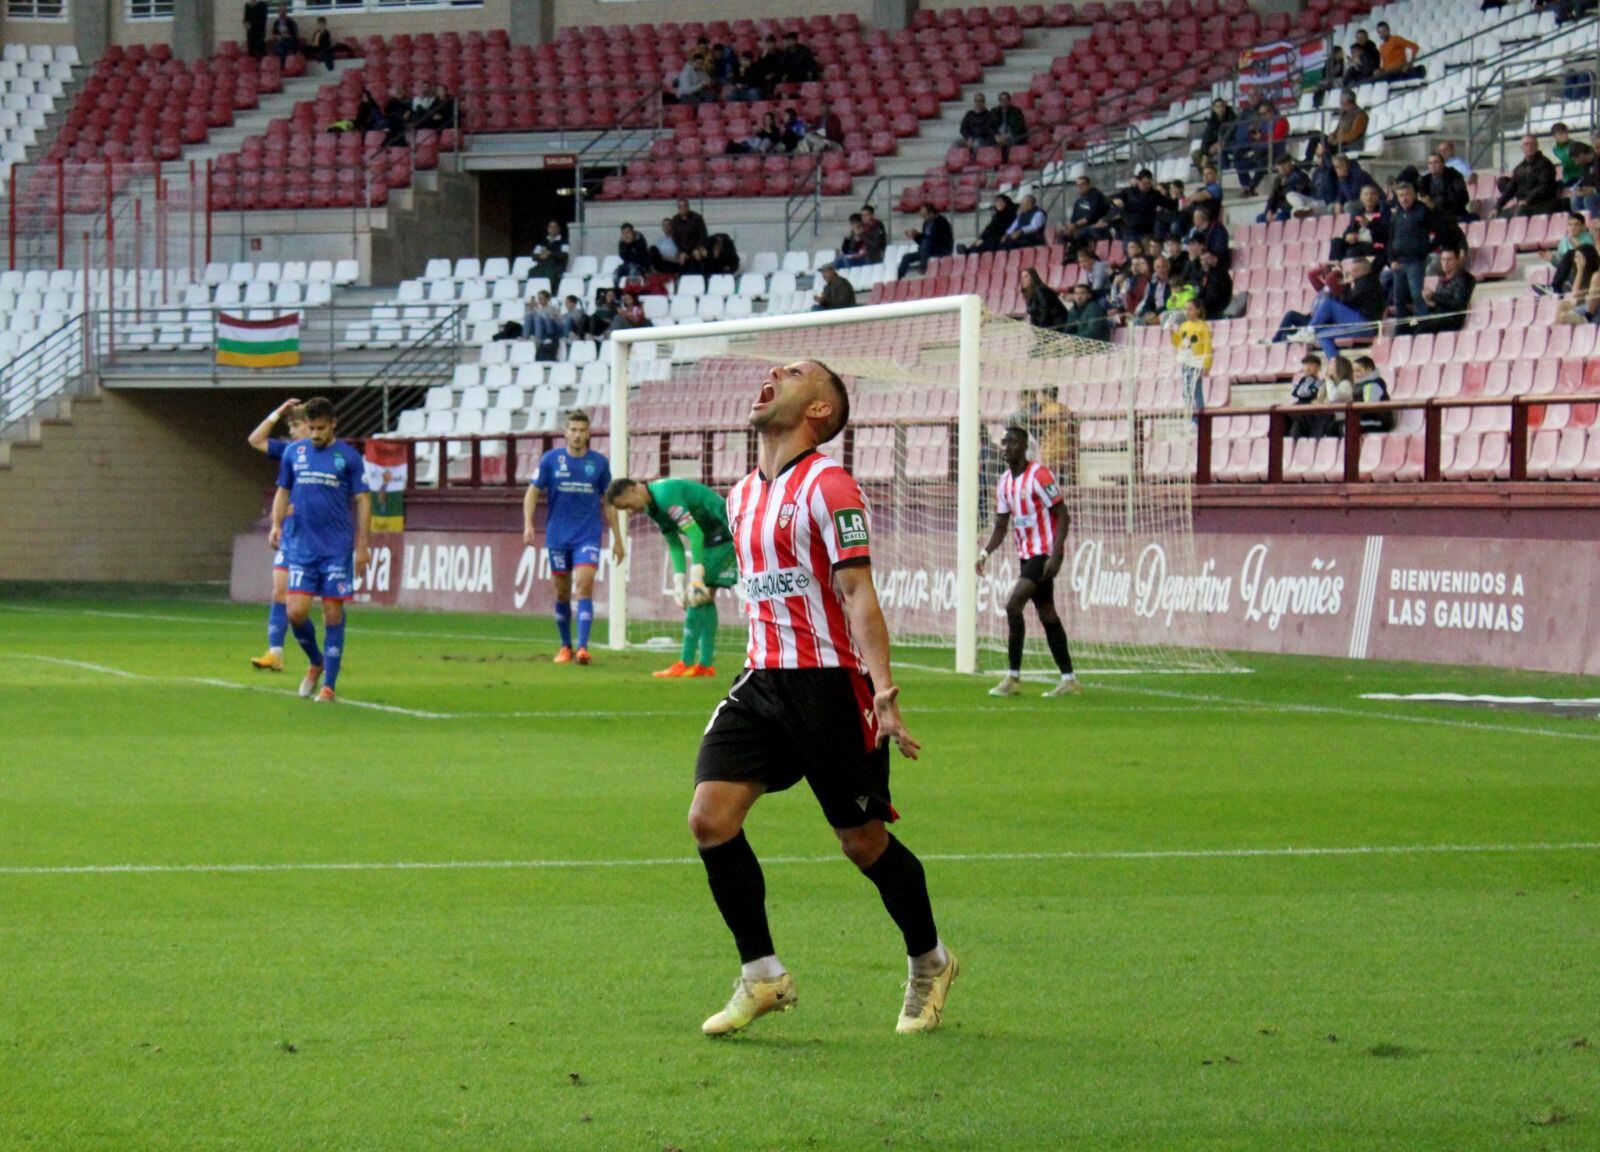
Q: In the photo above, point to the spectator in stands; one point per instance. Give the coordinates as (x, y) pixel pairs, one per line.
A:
(1396, 56)
(550, 255)
(1367, 233)
(1344, 309)
(799, 63)
(1350, 131)
(1177, 258)
(438, 112)
(977, 126)
(767, 138)
(634, 254)
(688, 228)
(1128, 289)
(694, 82)
(877, 235)
(1192, 339)
(542, 324)
(1173, 221)
(1089, 208)
(1584, 306)
(1213, 234)
(1290, 195)
(322, 43)
(1324, 181)
(1156, 305)
(1218, 130)
(1027, 230)
(256, 15)
(1351, 178)
(1572, 156)
(1043, 303)
(1332, 72)
(1363, 60)
(603, 314)
(720, 257)
(574, 321)
(1447, 149)
(1193, 272)
(724, 63)
(1410, 241)
(1444, 191)
(836, 291)
(853, 247)
(664, 254)
(1533, 185)
(1093, 271)
(1000, 220)
(1307, 389)
(1216, 285)
(285, 34)
(1010, 126)
(630, 314)
(794, 130)
(1338, 387)
(1258, 138)
(765, 73)
(1577, 239)
(1139, 204)
(826, 132)
(1085, 317)
(934, 239)
(1370, 388)
(369, 117)
(1210, 184)
(396, 119)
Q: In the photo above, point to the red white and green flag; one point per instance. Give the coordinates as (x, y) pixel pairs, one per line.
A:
(245, 343)
(385, 473)
(1281, 70)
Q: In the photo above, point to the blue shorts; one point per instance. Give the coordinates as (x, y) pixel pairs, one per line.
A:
(328, 578)
(578, 556)
(278, 562)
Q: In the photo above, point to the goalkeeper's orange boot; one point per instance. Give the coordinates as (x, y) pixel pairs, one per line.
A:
(678, 670)
(268, 662)
(701, 670)
(564, 656)
(581, 656)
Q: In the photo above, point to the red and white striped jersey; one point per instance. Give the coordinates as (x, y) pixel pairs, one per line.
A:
(789, 532)
(1027, 499)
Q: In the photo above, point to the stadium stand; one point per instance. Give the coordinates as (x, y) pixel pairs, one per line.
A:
(32, 80)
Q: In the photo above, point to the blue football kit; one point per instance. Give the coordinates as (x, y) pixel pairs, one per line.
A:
(280, 559)
(575, 486)
(321, 482)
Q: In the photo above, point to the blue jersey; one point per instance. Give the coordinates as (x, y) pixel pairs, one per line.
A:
(575, 487)
(275, 450)
(321, 484)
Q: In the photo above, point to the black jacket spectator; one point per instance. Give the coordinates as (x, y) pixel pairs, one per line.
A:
(977, 126)
(1534, 185)
(1445, 190)
(1005, 212)
(256, 15)
(1141, 203)
(1365, 295)
(1448, 302)
(1297, 182)
(1009, 122)
(1045, 309)
(1089, 208)
(798, 62)
(1410, 233)
(1216, 291)
(688, 229)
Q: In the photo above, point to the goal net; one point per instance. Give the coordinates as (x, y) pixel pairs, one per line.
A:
(933, 384)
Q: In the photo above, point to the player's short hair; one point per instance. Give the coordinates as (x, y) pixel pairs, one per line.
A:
(296, 414)
(841, 397)
(621, 486)
(318, 408)
(577, 416)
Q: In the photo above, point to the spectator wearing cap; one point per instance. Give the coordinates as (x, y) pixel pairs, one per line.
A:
(1290, 194)
(836, 291)
(934, 239)
(1027, 230)
(977, 126)
(1089, 209)
(1396, 55)
(1139, 204)
(1534, 186)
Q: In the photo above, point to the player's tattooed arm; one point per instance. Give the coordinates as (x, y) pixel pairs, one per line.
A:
(872, 637)
(1002, 521)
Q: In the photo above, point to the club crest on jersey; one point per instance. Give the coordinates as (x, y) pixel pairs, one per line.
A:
(785, 514)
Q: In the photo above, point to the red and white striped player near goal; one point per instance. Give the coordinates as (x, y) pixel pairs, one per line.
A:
(1028, 501)
(816, 700)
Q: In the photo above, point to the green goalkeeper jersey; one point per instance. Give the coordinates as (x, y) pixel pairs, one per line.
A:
(683, 510)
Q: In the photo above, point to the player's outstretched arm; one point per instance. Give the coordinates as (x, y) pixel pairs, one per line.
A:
(280, 509)
(1002, 521)
(263, 431)
(872, 637)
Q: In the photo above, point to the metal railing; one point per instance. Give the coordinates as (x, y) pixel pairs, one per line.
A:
(617, 145)
(804, 205)
(1486, 106)
(57, 365)
(1433, 412)
(403, 382)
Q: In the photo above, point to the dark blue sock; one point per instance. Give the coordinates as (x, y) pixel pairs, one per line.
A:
(277, 625)
(564, 622)
(333, 643)
(305, 633)
(585, 619)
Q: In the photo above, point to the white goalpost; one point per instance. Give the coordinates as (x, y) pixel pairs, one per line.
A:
(932, 383)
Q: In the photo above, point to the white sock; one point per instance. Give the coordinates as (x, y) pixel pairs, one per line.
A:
(1068, 677)
(277, 651)
(766, 968)
(1015, 675)
(929, 963)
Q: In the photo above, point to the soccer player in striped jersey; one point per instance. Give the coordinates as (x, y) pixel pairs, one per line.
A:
(686, 511)
(262, 440)
(816, 700)
(1028, 501)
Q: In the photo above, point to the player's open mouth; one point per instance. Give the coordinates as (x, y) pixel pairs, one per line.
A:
(766, 396)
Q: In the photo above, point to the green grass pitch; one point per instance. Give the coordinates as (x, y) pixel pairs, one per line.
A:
(1132, 978)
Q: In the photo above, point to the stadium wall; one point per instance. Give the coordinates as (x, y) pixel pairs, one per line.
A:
(134, 486)
(1468, 590)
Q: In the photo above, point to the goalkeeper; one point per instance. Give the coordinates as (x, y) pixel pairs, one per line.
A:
(683, 510)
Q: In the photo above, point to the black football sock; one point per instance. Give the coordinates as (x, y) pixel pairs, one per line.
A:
(741, 895)
(1056, 634)
(904, 888)
(1018, 633)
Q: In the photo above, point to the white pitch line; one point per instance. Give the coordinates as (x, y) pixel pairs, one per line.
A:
(1459, 698)
(1088, 856)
